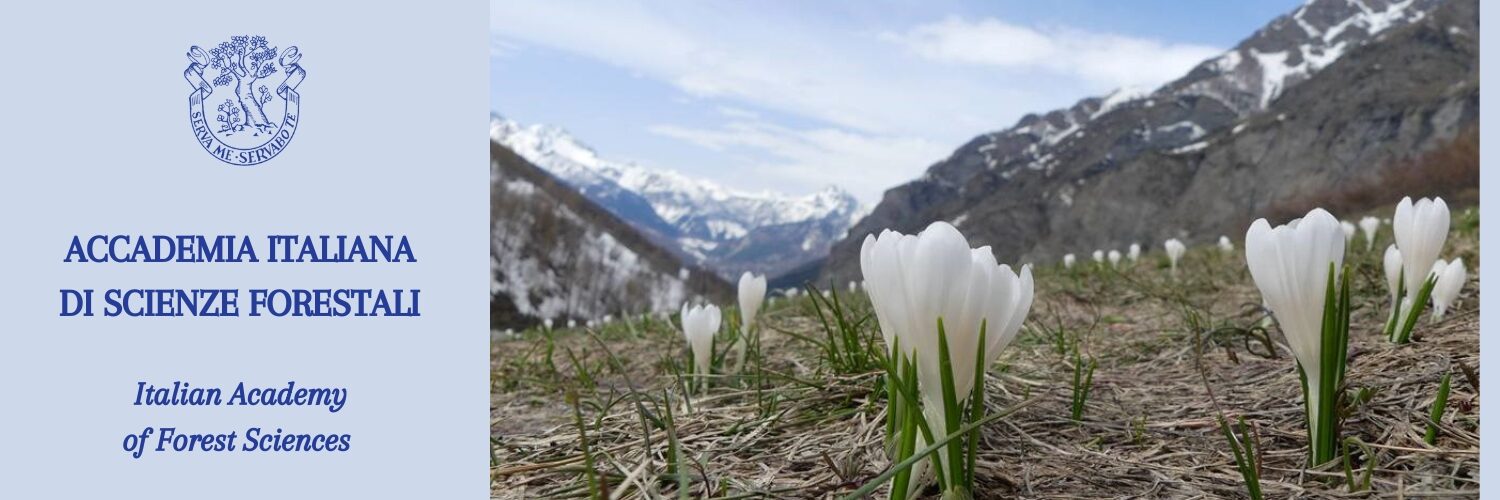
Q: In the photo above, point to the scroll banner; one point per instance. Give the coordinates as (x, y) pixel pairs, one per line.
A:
(276, 142)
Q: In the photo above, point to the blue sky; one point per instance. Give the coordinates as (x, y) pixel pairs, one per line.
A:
(793, 96)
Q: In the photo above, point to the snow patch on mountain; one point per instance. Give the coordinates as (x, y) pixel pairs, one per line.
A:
(1120, 96)
(542, 280)
(674, 196)
(697, 216)
(1193, 130)
(1245, 79)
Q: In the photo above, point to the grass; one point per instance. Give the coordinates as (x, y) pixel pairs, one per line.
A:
(1083, 380)
(1242, 443)
(1401, 330)
(800, 421)
(1439, 405)
(849, 341)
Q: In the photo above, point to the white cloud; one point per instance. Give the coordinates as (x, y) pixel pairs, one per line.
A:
(739, 113)
(864, 164)
(723, 52)
(501, 48)
(1104, 58)
(865, 107)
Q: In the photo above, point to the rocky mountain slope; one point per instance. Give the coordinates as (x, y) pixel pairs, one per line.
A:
(725, 230)
(555, 254)
(1333, 91)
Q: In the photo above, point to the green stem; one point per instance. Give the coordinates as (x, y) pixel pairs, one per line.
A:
(1404, 335)
(1395, 319)
(976, 406)
(951, 410)
(1334, 353)
(1439, 405)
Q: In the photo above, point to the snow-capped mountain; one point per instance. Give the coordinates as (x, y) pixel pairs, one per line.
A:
(1041, 165)
(556, 255)
(727, 230)
(1216, 93)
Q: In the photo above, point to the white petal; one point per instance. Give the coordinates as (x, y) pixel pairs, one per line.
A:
(1392, 263)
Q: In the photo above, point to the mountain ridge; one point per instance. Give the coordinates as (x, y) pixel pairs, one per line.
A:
(727, 230)
(1042, 162)
(555, 254)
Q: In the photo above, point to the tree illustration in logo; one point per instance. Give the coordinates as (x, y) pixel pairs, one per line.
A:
(242, 62)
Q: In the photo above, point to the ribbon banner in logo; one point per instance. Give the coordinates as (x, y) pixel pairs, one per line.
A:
(276, 141)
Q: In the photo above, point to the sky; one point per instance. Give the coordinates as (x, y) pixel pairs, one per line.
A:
(793, 96)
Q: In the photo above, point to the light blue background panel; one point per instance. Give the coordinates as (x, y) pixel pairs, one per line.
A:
(95, 139)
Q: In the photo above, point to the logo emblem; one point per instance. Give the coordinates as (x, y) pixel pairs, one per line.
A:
(246, 109)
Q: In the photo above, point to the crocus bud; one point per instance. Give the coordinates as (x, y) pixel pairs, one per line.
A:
(699, 324)
(1393, 271)
(1450, 281)
(1369, 225)
(1175, 249)
(1421, 229)
(752, 294)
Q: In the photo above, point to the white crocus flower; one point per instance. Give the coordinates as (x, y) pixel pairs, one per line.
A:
(1290, 265)
(1393, 271)
(572, 323)
(1348, 228)
(1421, 229)
(1135, 252)
(1098, 256)
(547, 323)
(1114, 258)
(1175, 249)
(1225, 245)
(1069, 260)
(853, 286)
(752, 293)
(699, 324)
(915, 280)
(1369, 225)
(1450, 281)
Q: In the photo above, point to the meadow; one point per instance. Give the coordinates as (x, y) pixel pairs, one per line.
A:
(1128, 380)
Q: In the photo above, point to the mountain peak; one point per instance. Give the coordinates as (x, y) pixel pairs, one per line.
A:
(1059, 154)
(700, 218)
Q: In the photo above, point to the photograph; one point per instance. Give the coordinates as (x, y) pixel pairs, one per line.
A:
(967, 249)
(744, 250)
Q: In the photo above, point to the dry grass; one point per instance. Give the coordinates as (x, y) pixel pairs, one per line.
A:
(1149, 430)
